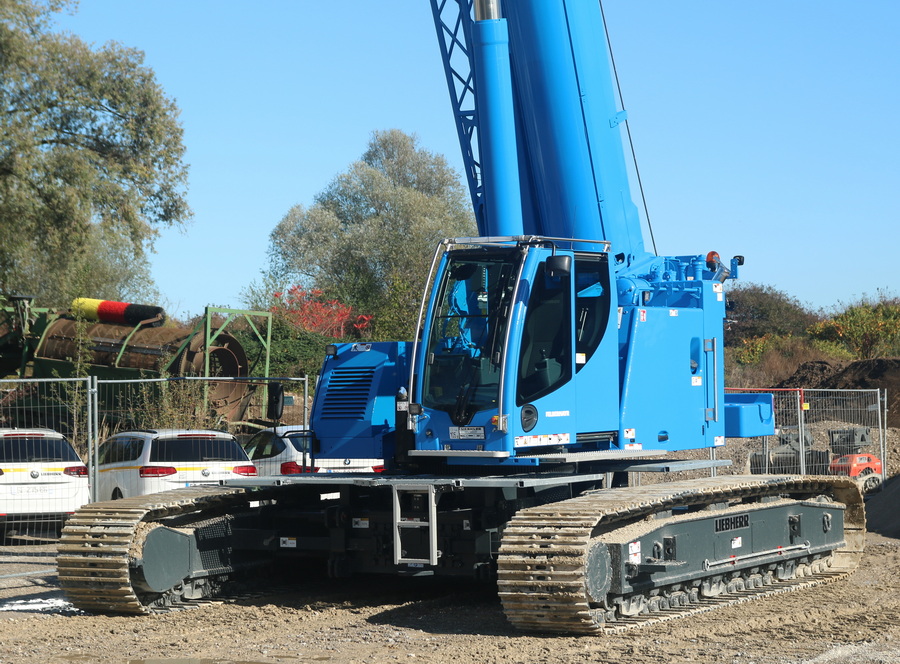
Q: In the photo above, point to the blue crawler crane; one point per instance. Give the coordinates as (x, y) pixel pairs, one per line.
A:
(556, 359)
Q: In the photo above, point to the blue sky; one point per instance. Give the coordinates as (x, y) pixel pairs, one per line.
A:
(768, 128)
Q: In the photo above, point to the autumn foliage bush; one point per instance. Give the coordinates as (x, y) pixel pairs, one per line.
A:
(310, 310)
(770, 359)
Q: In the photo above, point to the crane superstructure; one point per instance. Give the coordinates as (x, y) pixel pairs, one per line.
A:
(557, 360)
(558, 327)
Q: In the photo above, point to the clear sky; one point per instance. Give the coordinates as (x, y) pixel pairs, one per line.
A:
(768, 128)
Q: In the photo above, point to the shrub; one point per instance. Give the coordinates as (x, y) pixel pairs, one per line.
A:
(770, 359)
(868, 328)
(756, 311)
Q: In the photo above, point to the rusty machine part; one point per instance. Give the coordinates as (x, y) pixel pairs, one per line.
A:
(154, 350)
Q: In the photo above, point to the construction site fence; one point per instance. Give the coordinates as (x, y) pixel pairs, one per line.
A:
(814, 429)
(37, 488)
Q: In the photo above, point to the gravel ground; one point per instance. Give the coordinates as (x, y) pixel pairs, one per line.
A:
(382, 620)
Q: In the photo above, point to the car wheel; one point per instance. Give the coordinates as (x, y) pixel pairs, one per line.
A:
(870, 482)
(116, 494)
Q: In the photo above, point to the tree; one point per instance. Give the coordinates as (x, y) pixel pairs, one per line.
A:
(757, 310)
(107, 267)
(368, 238)
(90, 147)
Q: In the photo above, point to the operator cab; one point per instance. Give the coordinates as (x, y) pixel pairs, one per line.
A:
(508, 328)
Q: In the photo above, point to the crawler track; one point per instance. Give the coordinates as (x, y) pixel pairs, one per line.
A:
(100, 547)
(542, 564)
(544, 550)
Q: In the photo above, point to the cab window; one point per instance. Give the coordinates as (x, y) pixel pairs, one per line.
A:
(592, 305)
(545, 361)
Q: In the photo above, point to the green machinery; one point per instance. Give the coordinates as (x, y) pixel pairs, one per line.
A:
(42, 343)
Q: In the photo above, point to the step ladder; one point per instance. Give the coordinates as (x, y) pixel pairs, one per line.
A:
(402, 523)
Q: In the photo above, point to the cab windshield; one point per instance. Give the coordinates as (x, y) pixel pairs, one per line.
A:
(464, 350)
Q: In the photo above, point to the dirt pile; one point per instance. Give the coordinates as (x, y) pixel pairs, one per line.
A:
(880, 373)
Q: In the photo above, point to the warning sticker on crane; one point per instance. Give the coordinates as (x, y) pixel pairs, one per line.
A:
(544, 439)
(634, 553)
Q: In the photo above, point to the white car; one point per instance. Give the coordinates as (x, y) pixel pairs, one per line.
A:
(42, 479)
(135, 463)
(288, 450)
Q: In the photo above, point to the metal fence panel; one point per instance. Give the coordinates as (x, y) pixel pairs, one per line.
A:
(87, 411)
(43, 476)
(196, 403)
(813, 430)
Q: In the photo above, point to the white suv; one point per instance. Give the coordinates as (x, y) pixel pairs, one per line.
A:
(288, 450)
(134, 463)
(42, 479)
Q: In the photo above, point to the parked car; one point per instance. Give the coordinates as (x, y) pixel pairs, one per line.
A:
(42, 479)
(865, 468)
(134, 463)
(288, 450)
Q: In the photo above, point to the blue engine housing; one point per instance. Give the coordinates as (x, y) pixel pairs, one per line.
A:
(353, 410)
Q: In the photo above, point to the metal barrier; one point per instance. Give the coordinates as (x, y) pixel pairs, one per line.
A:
(51, 429)
(813, 430)
(820, 432)
(42, 475)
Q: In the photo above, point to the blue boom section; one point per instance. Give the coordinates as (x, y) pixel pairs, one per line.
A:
(571, 149)
(552, 88)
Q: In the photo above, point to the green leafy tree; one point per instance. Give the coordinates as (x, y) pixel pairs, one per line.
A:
(757, 310)
(90, 152)
(368, 238)
(868, 328)
(107, 267)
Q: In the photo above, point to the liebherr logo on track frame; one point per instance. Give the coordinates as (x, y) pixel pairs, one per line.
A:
(736, 522)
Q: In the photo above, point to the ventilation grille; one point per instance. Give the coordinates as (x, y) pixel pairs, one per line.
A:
(347, 394)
